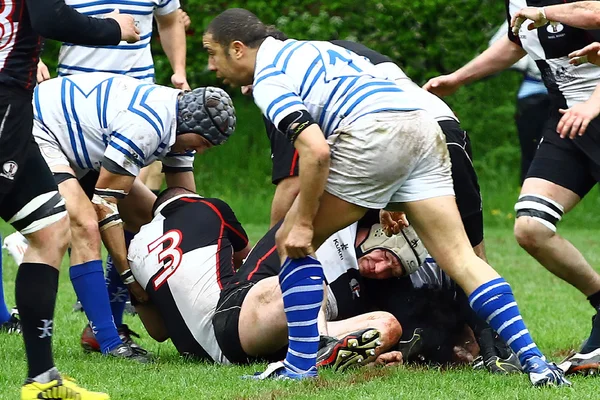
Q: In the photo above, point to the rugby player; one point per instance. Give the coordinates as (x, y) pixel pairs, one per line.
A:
(133, 60)
(28, 195)
(566, 165)
(363, 143)
(95, 139)
(190, 252)
(466, 186)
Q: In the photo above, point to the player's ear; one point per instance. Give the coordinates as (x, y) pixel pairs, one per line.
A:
(237, 49)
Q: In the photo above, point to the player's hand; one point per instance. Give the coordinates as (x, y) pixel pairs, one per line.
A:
(389, 359)
(185, 19)
(42, 72)
(298, 243)
(535, 14)
(138, 292)
(461, 355)
(392, 222)
(443, 85)
(589, 54)
(180, 81)
(576, 119)
(129, 32)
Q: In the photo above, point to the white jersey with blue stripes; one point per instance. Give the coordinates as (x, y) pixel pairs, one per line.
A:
(100, 115)
(132, 59)
(332, 83)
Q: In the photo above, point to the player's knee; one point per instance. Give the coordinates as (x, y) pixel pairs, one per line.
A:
(85, 228)
(392, 330)
(51, 241)
(537, 217)
(530, 234)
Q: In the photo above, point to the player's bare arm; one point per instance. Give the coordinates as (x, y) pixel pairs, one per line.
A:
(111, 188)
(583, 14)
(172, 38)
(314, 156)
(499, 56)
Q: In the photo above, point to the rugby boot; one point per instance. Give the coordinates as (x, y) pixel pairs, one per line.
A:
(61, 388)
(581, 363)
(13, 325)
(495, 356)
(543, 373)
(352, 350)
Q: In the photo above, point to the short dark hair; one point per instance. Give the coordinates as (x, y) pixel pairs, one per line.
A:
(168, 194)
(273, 32)
(237, 24)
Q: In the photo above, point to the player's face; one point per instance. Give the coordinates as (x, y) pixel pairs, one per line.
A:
(227, 62)
(379, 264)
(190, 142)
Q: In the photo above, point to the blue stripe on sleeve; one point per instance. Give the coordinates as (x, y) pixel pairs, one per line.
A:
(127, 154)
(108, 86)
(285, 107)
(278, 100)
(129, 143)
(163, 5)
(270, 74)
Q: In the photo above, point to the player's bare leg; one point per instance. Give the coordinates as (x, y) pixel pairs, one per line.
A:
(437, 222)
(541, 205)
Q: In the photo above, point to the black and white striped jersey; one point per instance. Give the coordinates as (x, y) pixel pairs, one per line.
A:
(183, 257)
(550, 46)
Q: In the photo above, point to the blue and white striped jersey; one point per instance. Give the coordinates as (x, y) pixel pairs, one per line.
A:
(331, 83)
(133, 59)
(98, 115)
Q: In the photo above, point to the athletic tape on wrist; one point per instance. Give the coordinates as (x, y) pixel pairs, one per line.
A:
(127, 277)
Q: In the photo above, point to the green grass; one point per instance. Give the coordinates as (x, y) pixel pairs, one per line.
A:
(557, 315)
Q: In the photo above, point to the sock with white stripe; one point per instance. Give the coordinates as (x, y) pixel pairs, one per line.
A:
(495, 303)
(88, 282)
(301, 282)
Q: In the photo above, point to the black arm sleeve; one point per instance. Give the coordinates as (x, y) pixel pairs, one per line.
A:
(53, 19)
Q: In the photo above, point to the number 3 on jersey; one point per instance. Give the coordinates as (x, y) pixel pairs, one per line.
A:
(169, 256)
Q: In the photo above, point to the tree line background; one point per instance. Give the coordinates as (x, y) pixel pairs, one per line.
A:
(425, 37)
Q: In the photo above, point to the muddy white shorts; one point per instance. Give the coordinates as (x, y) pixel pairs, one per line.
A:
(389, 157)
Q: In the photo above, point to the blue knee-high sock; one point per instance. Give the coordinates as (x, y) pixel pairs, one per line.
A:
(88, 282)
(301, 282)
(117, 292)
(4, 314)
(494, 302)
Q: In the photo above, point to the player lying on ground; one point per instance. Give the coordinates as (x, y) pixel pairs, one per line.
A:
(248, 324)
(184, 260)
(115, 125)
(566, 165)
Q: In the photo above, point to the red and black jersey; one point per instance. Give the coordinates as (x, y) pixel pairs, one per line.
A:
(183, 258)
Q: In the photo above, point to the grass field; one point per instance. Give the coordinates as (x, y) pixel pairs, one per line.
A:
(557, 315)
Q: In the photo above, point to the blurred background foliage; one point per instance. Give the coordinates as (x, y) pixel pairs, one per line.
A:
(425, 37)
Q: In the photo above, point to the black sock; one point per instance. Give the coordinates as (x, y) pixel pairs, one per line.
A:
(594, 300)
(35, 293)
